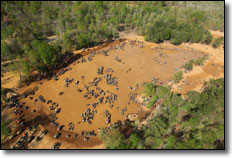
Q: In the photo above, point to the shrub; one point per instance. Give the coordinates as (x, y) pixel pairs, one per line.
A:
(189, 66)
(217, 42)
(133, 141)
(207, 37)
(152, 101)
(176, 99)
(199, 61)
(178, 76)
(148, 89)
(161, 91)
(197, 34)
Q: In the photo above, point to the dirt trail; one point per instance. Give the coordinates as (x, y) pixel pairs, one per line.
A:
(9, 80)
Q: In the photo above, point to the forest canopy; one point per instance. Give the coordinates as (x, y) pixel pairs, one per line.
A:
(81, 24)
(196, 122)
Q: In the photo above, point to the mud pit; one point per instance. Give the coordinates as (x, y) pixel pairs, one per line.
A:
(137, 65)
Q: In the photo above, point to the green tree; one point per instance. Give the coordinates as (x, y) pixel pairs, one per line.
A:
(6, 51)
(47, 54)
(133, 141)
(152, 101)
(67, 41)
(177, 37)
(113, 139)
(161, 91)
(148, 89)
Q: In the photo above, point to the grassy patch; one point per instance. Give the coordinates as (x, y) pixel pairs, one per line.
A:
(189, 66)
(152, 101)
(199, 61)
(178, 76)
(217, 42)
(161, 91)
(5, 130)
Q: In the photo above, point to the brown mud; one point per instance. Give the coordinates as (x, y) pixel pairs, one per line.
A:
(138, 65)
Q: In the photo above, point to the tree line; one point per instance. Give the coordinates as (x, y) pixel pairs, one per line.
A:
(26, 26)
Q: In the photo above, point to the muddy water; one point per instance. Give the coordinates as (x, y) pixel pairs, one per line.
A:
(137, 66)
